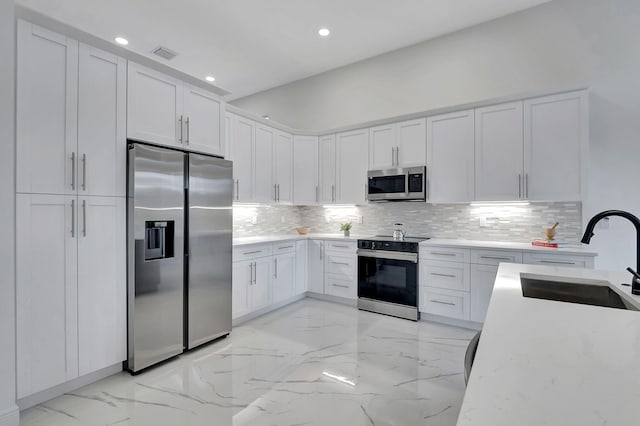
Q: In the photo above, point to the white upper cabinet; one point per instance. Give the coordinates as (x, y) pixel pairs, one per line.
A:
(398, 145)
(556, 135)
(305, 170)
(450, 157)
(164, 110)
(283, 167)
(411, 143)
(327, 165)
(242, 141)
(382, 147)
(46, 291)
(102, 146)
(154, 107)
(499, 152)
(264, 190)
(47, 111)
(102, 282)
(352, 165)
(203, 123)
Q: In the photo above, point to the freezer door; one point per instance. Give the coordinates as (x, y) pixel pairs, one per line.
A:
(155, 206)
(209, 249)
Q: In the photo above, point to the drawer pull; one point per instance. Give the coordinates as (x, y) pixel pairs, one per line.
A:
(495, 258)
(439, 253)
(442, 303)
(340, 285)
(559, 262)
(284, 247)
(442, 275)
(340, 245)
(341, 263)
(253, 252)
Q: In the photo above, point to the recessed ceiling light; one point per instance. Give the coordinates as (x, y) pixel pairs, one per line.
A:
(210, 78)
(266, 117)
(121, 40)
(324, 32)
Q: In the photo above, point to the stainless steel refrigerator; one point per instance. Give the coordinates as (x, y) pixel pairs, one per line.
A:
(179, 252)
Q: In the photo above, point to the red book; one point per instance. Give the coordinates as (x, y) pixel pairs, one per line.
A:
(544, 244)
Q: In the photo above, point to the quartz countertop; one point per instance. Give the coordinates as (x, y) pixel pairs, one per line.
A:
(581, 250)
(543, 362)
(243, 241)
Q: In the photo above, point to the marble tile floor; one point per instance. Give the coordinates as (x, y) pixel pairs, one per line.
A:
(309, 363)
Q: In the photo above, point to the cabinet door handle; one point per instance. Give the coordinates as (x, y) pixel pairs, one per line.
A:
(84, 218)
(397, 155)
(393, 156)
(340, 263)
(73, 171)
(238, 189)
(275, 260)
(188, 129)
(526, 185)
(495, 258)
(333, 193)
(558, 262)
(519, 185)
(366, 192)
(73, 218)
(317, 193)
(251, 273)
(442, 275)
(278, 192)
(439, 253)
(339, 285)
(321, 250)
(180, 137)
(340, 245)
(84, 172)
(442, 303)
(284, 247)
(275, 192)
(252, 252)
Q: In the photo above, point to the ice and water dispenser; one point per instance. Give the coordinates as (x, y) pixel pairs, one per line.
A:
(159, 238)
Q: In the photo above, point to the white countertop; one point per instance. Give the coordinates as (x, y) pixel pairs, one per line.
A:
(243, 241)
(542, 362)
(582, 250)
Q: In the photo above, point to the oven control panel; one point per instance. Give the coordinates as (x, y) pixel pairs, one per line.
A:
(403, 246)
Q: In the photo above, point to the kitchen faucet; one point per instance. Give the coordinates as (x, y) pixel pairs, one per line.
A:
(588, 233)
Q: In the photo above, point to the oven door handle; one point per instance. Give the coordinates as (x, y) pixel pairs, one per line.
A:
(391, 255)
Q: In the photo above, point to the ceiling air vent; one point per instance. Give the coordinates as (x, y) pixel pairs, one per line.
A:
(165, 53)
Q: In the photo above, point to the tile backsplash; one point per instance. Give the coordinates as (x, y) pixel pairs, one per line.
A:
(515, 222)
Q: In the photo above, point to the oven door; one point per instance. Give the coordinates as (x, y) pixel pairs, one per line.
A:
(388, 277)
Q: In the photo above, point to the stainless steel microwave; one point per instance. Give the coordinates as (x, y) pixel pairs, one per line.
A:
(400, 184)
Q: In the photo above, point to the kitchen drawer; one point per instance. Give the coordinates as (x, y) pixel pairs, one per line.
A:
(446, 303)
(284, 247)
(251, 252)
(447, 254)
(341, 246)
(341, 264)
(552, 259)
(449, 275)
(495, 257)
(337, 285)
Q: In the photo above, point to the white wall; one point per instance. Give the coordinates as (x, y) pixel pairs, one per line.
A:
(8, 409)
(559, 44)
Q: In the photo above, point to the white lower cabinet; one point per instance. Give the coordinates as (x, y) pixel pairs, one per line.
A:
(316, 266)
(341, 269)
(302, 262)
(484, 276)
(446, 303)
(284, 274)
(260, 290)
(242, 280)
(566, 261)
(70, 287)
(341, 286)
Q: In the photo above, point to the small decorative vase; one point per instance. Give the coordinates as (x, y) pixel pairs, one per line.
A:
(346, 233)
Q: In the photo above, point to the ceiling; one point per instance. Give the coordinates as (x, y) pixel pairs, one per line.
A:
(254, 45)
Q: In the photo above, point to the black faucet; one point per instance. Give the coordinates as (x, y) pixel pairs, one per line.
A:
(588, 233)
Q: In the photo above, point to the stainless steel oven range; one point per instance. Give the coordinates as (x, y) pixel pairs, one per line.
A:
(388, 276)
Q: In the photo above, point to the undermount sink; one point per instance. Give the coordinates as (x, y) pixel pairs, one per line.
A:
(586, 292)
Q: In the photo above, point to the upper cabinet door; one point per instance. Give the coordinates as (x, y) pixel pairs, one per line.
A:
(382, 147)
(556, 135)
(282, 167)
(154, 107)
(499, 151)
(46, 111)
(450, 169)
(264, 190)
(411, 146)
(46, 291)
(102, 136)
(202, 120)
(306, 190)
(352, 165)
(102, 282)
(327, 154)
(242, 136)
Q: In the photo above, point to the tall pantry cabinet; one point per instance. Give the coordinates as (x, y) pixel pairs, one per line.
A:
(70, 209)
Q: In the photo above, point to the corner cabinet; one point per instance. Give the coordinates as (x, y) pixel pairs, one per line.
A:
(327, 167)
(164, 110)
(352, 164)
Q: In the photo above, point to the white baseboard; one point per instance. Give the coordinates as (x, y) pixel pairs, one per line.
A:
(260, 312)
(10, 417)
(471, 325)
(47, 394)
(334, 299)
